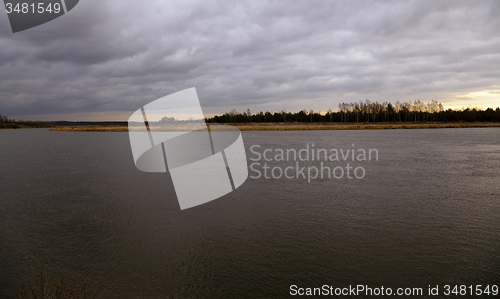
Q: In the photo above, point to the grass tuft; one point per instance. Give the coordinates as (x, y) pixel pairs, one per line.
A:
(48, 286)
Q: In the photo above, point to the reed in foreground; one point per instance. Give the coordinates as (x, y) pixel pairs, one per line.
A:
(48, 286)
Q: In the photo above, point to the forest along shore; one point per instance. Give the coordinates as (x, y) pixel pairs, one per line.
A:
(305, 126)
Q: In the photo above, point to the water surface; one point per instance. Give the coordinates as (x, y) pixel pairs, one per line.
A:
(426, 213)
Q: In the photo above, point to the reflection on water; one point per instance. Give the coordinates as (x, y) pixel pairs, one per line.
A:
(425, 213)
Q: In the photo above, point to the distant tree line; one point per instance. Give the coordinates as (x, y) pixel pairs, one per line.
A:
(367, 111)
(172, 120)
(6, 123)
(5, 119)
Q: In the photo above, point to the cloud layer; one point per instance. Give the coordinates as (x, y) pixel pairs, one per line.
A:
(106, 58)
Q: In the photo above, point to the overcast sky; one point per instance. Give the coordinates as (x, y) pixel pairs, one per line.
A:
(106, 58)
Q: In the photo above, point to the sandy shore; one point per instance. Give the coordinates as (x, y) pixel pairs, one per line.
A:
(305, 126)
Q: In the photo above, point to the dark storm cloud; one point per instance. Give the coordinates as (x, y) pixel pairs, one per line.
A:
(116, 55)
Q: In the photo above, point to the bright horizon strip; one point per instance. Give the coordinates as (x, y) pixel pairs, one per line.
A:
(482, 99)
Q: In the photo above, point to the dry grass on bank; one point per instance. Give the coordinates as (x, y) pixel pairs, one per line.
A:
(91, 129)
(306, 126)
(355, 126)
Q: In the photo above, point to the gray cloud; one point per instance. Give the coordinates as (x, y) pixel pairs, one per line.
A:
(116, 55)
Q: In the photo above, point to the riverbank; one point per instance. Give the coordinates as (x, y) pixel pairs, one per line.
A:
(304, 126)
(14, 125)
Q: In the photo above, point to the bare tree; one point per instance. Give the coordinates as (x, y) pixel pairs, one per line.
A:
(232, 113)
(341, 109)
